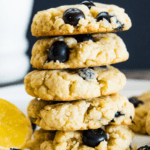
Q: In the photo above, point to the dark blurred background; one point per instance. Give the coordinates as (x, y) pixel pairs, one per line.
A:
(137, 38)
(17, 41)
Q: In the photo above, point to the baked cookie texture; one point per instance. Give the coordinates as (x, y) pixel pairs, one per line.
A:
(104, 50)
(65, 85)
(119, 138)
(51, 22)
(142, 114)
(81, 115)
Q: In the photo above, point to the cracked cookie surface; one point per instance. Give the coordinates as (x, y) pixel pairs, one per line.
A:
(65, 85)
(99, 18)
(81, 115)
(105, 49)
(142, 114)
(118, 138)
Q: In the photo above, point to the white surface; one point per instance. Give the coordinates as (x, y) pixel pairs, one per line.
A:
(14, 68)
(18, 96)
(15, 16)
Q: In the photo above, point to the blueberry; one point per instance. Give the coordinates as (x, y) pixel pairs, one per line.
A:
(87, 73)
(146, 147)
(135, 101)
(14, 149)
(103, 15)
(117, 114)
(120, 27)
(59, 51)
(72, 16)
(89, 4)
(84, 37)
(92, 138)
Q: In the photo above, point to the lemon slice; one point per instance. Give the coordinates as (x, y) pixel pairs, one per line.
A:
(15, 127)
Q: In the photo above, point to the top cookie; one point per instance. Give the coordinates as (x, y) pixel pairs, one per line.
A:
(86, 17)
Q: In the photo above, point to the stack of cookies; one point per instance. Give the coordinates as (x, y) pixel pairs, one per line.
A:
(76, 103)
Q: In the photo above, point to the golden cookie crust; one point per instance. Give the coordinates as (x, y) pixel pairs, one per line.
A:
(107, 49)
(66, 85)
(81, 115)
(120, 138)
(50, 22)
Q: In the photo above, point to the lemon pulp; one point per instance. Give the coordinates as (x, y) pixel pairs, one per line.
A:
(15, 127)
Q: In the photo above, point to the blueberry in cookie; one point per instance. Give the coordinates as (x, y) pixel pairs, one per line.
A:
(87, 73)
(92, 138)
(59, 51)
(72, 16)
(117, 114)
(103, 15)
(89, 4)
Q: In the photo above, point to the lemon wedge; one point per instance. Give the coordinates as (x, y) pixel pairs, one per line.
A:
(15, 127)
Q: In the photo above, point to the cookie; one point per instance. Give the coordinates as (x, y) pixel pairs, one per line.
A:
(81, 115)
(78, 51)
(106, 138)
(66, 85)
(142, 113)
(80, 19)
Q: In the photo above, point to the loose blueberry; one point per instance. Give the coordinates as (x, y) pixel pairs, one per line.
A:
(92, 138)
(72, 16)
(87, 73)
(84, 37)
(117, 114)
(89, 4)
(135, 101)
(103, 15)
(146, 147)
(14, 149)
(59, 51)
